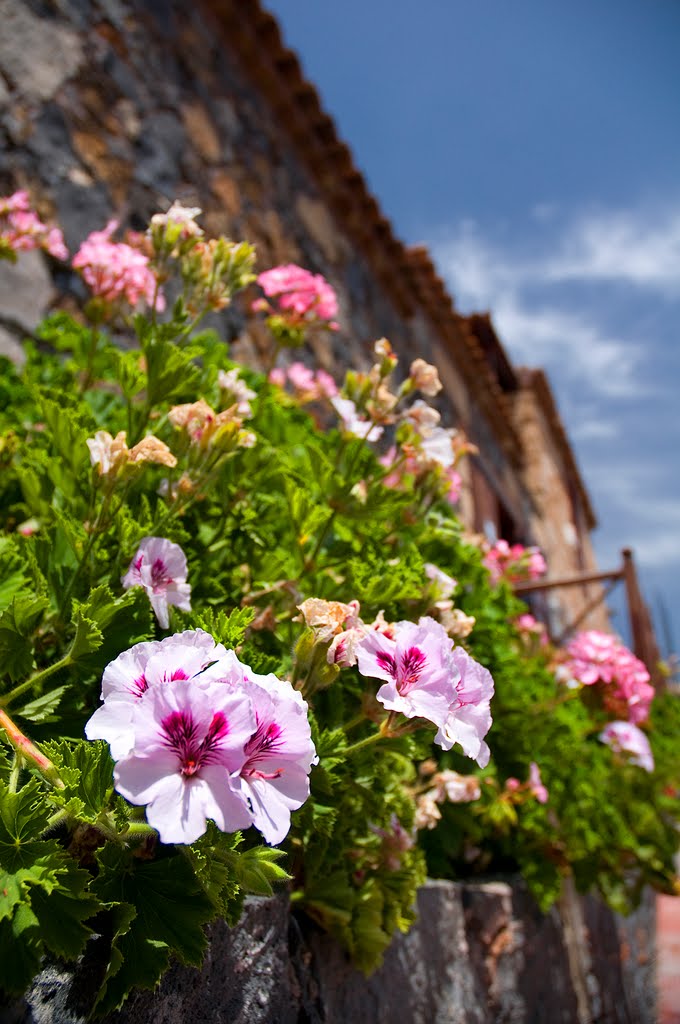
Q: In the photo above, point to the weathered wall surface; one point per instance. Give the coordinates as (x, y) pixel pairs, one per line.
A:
(479, 954)
(115, 107)
(559, 521)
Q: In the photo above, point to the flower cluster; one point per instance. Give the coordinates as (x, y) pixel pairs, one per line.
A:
(115, 271)
(22, 230)
(515, 563)
(625, 738)
(207, 429)
(308, 385)
(111, 455)
(425, 676)
(443, 787)
(299, 297)
(198, 735)
(600, 658)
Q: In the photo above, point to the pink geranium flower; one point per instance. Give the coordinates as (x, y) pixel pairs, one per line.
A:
(278, 755)
(514, 563)
(300, 297)
(468, 716)
(126, 679)
(115, 271)
(189, 742)
(600, 658)
(624, 737)
(161, 568)
(418, 668)
(22, 230)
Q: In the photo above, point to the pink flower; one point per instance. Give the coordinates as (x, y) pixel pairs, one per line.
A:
(301, 297)
(418, 668)
(185, 655)
(278, 755)
(161, 568)
(189, 742)
(115, 271)
(469, 714)
(515, 563)
(535, 784)
(596, 657)
(626, 738)
(22, 230)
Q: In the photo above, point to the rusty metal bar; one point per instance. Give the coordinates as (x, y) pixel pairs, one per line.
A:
(568, 581)
(642, 631)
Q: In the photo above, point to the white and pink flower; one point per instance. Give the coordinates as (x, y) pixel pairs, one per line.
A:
(417, 666)
(197, 735)
(278, 755)
(626, 738)
(353, 422)
(188, 749)
(469, 713)
(153, 663)
(161, 568)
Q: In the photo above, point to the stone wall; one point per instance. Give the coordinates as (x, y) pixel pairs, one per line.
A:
(478, 954)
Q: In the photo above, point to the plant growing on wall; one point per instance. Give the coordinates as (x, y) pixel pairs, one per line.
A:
(245, 639)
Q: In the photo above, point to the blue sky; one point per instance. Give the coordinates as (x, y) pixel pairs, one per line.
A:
(535, 147)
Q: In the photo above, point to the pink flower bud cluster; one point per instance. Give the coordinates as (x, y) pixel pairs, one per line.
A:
(197, 735)
(412, 466)
(307, 385)
(22, 230)
(116, 272)
(532, 629)
(515, 563)
(300, 297)
(533, 786)
(600, 658)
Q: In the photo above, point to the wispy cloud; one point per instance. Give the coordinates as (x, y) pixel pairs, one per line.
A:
(626, 247)
(538, 325)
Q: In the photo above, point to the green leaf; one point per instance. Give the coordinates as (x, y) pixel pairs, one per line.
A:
(172, 907)
(256, 869)
(88, 635)
(87, 770)
(62, 912)
(226, 629)
(17, 624)
(20, 950)
(42, 708)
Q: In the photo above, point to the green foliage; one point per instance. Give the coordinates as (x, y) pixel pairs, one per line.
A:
(302, 513)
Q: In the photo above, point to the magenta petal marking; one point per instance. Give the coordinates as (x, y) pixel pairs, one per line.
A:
(412, 663)
(181, 736)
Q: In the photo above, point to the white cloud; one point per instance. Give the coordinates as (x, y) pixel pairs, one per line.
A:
(626, 247)
(541, 332)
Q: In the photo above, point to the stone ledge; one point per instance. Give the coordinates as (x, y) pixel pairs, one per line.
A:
(479, 954)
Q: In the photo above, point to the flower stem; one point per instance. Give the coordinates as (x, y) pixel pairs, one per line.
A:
(37, 677)
(360, 744)
(139, 830)
(29, 752)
